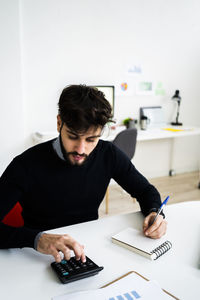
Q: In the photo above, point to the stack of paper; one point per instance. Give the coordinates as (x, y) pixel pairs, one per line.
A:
(130, 287)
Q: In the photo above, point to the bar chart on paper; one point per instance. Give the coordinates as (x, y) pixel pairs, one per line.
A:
(127, 296)
(134, 287)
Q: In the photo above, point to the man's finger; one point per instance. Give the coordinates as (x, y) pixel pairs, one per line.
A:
(154, 226)
(83, 257)
(160, 231)
(65, 250)
(55, 254)
(148, 220)
(67, 254)
(78, 250)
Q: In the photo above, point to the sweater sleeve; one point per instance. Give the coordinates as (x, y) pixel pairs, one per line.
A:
(13, 189)
(134, 183)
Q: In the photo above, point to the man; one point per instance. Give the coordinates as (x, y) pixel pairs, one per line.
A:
(63, 181)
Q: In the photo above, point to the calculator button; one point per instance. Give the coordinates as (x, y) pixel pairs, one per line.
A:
(89, 263)
(63, 262)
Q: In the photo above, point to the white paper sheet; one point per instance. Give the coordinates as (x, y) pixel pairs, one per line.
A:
(130, 287)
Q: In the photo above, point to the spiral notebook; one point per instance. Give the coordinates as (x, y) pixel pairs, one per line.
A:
(135, 241)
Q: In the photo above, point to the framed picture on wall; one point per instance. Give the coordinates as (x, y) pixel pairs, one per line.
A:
(144, 87)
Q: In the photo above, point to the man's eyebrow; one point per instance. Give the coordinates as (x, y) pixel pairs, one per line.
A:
(71, 132)
(88, 137)
(93, 136)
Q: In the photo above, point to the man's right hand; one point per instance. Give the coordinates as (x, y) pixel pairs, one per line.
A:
(54, 243)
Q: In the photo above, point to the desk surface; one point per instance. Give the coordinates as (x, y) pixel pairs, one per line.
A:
(26, 274)
(161, 133)
(156, 133)
(143, 135)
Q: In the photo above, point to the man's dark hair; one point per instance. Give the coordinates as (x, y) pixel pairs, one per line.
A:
(81, 107)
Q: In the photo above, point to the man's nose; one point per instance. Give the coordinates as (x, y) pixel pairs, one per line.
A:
(80, 147)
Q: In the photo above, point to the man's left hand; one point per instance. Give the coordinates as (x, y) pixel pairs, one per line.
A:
(157, 229)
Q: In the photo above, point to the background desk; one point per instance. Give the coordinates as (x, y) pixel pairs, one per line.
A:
(26, 274)
(143, 135)
(151, 134)
(157, 133)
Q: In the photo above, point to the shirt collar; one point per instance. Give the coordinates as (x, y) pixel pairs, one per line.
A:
(57, 148)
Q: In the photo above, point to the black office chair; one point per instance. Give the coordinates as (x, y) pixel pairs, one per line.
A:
(126, 142)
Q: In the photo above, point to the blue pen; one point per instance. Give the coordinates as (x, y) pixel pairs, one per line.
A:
(160, 209)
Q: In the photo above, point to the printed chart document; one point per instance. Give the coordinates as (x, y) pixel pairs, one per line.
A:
(130, 287)
(135, 241)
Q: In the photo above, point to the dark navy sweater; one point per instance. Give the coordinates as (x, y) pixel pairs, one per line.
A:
(54, 193)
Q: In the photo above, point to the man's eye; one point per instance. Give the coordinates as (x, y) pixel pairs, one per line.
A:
(72, 137)
(90, 140)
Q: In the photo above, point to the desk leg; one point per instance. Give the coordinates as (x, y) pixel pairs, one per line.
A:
(199, 167)
(171, 170)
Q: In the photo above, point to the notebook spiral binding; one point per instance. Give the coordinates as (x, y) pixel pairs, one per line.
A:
(162, 249)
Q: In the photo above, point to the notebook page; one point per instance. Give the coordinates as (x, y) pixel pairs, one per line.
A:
(136, 239)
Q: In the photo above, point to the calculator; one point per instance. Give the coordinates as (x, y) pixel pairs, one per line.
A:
(71, 270)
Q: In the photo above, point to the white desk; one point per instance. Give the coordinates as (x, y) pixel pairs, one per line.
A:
(143, 135)
(158, 133)
(26, 274)
(154, 133)
(150, 134)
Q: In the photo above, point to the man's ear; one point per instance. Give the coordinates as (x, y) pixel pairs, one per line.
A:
(59, 123)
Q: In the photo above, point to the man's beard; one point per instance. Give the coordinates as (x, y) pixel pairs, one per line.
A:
(67, 154)
(74, 163)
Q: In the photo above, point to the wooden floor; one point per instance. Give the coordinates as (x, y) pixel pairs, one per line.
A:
(181, 187)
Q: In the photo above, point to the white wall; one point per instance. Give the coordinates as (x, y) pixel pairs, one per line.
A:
(11, 104)
(91, 42)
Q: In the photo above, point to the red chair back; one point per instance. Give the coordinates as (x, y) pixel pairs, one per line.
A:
(14, 217)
